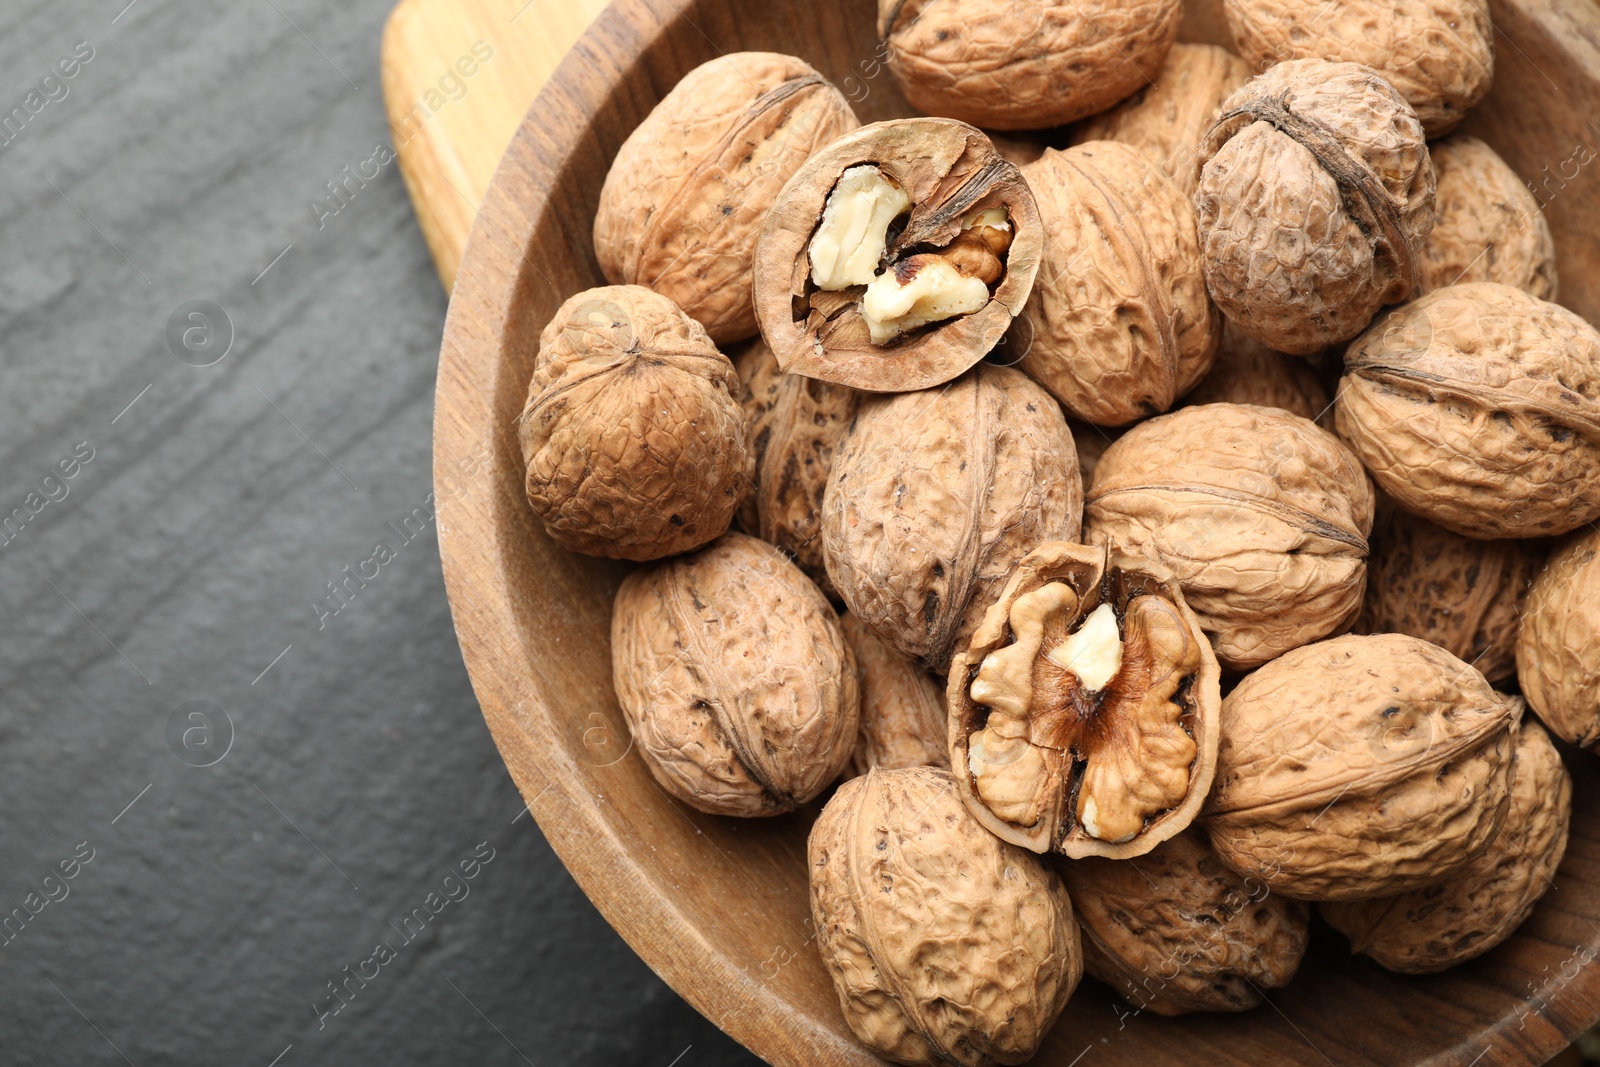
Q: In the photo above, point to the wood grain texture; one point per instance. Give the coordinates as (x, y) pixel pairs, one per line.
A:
(719, 906)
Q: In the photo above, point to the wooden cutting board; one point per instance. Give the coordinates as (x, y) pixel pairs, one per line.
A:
(458, 75)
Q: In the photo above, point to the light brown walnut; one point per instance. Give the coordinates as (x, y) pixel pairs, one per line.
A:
(902, 707)
(1556, 661)
(1489, 227)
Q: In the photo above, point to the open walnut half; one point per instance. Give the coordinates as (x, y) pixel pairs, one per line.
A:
(1084, 716)
(897, 256)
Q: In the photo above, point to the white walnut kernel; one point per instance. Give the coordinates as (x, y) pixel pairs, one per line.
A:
(850, 242)
(916, 291)
(1094, 651)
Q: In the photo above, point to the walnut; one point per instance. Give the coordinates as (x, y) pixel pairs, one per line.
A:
(1083, 717)
(896, 257)
(1439, 54)
(1461, 594)
(902, 709)
(633, 438)
(1427, 930)
(796, 423)
(1262, 516)
(946, 945)
(934, 495)
(1021, 66)
(1556, 644)
(1361, 766)
(1166, 117)
(1176, 931)
(1488, 227)
(1119, 324)
(691, 186)
(1315, 195)
(1248, 372)
(735, 677)
(1478, 407)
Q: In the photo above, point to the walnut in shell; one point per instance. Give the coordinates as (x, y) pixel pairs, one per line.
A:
(1083, 716)
(1556, 661)
(896, 257)
(735, 678)
(1439, 54)
(633, 438)
(1315, 196)
(1248, 372)
(1176, 931)
(1166, 117)
(902, 708)
(934, 495)
(1463, 916)
(1262, 515)
(1118, 325)
(1478, 407)
(946, 945)
(691, 186)
(1488, 226)
(1361, 766)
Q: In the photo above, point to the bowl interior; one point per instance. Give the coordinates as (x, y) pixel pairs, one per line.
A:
(719, 906)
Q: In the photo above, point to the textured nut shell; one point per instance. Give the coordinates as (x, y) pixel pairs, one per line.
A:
(1315, 195)
(946, 945)
(1262, 516)
(633, 438)
(1488, 227)
(1438, 53)
(949, 170)
(1176, 931)
(934, 495)
(1020, 66)
(1166, 117)
(1461, 594)
(1084, 569)
(1248, 372)
(1362, 766)
(902, 708)
(1478, 407)
(1556, 661)
(796, 423)
(736, 679)
(1427, 930)
(1118, 325)
(690, 188)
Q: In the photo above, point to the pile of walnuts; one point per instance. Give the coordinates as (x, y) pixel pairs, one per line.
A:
(1006, 503)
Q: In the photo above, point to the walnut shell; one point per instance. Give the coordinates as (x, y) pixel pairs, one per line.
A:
(1315, 195)
(1464, 916)
(1176, 931)
(1248, 372)
(1556, 644)
(1478, 407)
(796, 423)
(1024, 66)
(633, 438)
(1439, 54)
(951, 173)
(1118, 325)
(1488, 226)
(1086, 743)
(934, 495)
(1262, 515)
(1361, 766)
(691, 186)
(902, 708)
(1165, 118)
(946, 945)
(735, 677)
(1461, 594)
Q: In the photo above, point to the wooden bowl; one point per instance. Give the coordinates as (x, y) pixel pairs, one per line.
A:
(718, 907)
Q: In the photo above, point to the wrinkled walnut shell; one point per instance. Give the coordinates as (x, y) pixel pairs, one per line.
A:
(1176, 931)
(1138, 753)
(1248, 372)
(950, 171)
(1478, 407)
(946, 945)
(691, 186)
(1488, 226)
(632, 435)
(1556, 661)
(735, 677)
(902, 708)
(1362, 766)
